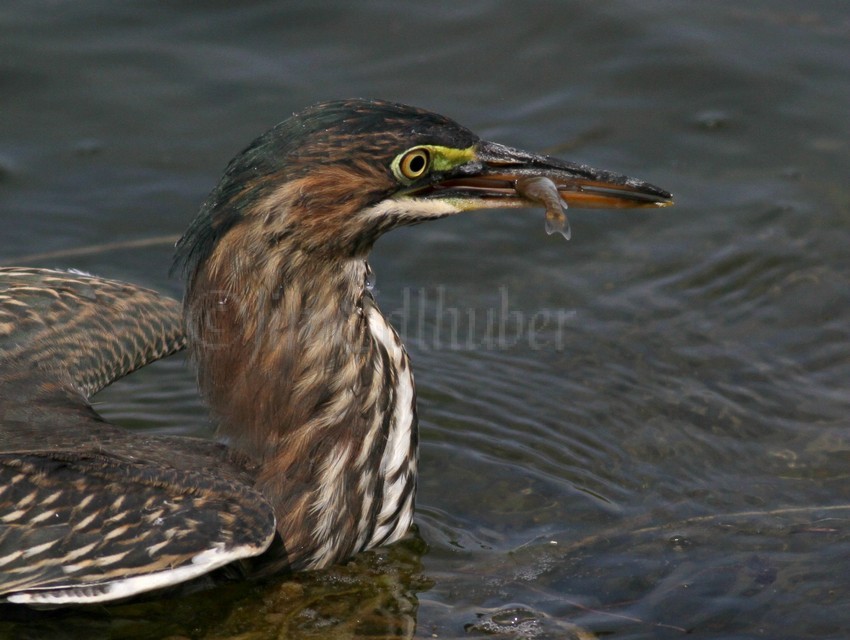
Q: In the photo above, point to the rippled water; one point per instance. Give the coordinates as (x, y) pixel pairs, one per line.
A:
(635, 434)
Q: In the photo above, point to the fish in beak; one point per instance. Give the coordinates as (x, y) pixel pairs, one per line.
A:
(500, 177)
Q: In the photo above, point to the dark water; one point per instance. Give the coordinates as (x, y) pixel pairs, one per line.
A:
(636, 434)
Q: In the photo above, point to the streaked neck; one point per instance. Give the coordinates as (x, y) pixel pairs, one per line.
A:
(308, 379)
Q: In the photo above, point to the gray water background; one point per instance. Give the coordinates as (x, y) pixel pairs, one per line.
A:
(635, 434)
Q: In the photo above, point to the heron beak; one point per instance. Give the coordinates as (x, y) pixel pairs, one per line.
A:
(496, 175)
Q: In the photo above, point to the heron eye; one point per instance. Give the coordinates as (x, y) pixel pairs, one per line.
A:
(415, 163)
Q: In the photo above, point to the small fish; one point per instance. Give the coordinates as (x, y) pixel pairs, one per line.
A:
(543, 191)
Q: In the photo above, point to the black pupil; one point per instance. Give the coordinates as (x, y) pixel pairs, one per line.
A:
(417, 163)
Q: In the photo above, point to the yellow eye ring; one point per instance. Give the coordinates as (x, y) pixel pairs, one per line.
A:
(415, 163)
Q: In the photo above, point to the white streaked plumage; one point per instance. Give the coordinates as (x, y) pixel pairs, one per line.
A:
(202, 563)
(396, 462)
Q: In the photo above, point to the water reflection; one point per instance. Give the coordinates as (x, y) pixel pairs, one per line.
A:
(686, 451)
(373, 596)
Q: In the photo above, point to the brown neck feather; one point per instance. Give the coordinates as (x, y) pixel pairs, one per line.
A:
(285, 358)
(270, 357)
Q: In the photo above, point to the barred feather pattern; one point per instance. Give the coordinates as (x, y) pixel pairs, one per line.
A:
(90, 512)
(89, 329)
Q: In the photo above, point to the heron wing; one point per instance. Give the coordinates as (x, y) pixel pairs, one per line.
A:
(90, 512)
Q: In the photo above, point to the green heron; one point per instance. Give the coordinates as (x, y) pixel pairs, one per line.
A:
(310, 385)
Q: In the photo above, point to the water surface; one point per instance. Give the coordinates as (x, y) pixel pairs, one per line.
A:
(635, 434)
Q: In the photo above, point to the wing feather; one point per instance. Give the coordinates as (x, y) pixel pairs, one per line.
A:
(90, 512)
